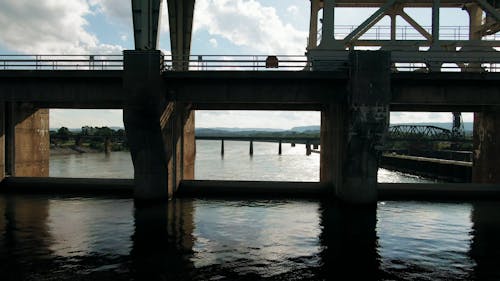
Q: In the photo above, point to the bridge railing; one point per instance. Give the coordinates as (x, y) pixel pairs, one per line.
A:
(61, 62)
(438, 61)
(406, 32)
(237, 62)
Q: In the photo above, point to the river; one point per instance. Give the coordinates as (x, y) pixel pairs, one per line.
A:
(44, 237)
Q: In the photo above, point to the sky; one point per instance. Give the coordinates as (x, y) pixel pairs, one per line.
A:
(221, 27)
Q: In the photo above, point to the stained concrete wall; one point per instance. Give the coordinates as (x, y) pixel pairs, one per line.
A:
(2, 141)
(485, 167)
(353, 133)
(29, 141)
(160, 130)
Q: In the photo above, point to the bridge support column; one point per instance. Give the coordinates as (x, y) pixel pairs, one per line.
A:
(351, 134)
(486, 147)
(26, 140)
(2, 141)
(160, 131)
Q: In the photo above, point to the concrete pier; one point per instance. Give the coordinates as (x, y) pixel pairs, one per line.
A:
(2, 141)
(486, 147)
(279, 148)
(160, 131)
(251, 148)
(26, 140)
(352, 134)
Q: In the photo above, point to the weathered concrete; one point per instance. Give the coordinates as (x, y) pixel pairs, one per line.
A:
(352, 134)
(160, 131)
(145, 116)
(2, 141)
(333, 143)
(27, 140)
(486, 147)
(180, 145)
(189, 144)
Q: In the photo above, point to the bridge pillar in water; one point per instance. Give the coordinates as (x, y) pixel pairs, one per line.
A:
(160, 131)
(485, 167)
(352, 133)
(2, 141)
(24, 140)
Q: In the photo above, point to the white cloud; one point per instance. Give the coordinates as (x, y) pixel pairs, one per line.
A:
(249, 24)
(77, 118)
(213, 42)
(422, 117)
(118, 11)
(256, 119)
(292, 9)
(50, 27)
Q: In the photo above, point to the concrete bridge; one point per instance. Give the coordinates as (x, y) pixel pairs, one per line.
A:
(354, 90)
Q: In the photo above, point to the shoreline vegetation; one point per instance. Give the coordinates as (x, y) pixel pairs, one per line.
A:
(64, 141)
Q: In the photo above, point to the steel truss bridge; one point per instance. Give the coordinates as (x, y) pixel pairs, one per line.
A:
(421, 133)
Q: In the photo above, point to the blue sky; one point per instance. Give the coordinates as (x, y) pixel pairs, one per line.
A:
(221, 27)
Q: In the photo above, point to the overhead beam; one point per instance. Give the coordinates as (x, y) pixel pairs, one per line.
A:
(490, 10)
(146, 20)
(371, 21)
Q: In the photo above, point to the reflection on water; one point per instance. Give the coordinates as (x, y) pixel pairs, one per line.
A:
(84, 238)
(237, 164)
(49, 238)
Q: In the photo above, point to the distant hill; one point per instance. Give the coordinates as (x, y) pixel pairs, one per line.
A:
(306, 128)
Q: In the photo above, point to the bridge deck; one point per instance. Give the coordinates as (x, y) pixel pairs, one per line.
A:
(273, 90)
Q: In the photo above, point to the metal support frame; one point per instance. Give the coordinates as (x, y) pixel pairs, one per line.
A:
(146, 20)
(393, 8)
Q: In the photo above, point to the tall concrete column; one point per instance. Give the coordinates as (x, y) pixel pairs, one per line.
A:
(27, 141)
(2, 141)
(160, 131)
(486, 147)
(333, 141)
(179, 137)
(189, 143)
(353, 133)
(145, 116)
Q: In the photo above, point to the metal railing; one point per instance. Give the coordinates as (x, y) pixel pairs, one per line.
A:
(237, 63)
(444, 61)
(61, 62)
(406, 32)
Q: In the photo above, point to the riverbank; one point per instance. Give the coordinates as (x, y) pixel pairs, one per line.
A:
(68, 150)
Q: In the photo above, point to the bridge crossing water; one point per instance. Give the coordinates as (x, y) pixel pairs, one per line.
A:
(353, 89)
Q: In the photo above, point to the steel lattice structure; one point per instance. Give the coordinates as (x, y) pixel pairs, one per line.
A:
(419, 132)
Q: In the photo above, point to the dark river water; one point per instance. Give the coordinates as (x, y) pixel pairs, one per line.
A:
(45, 237)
